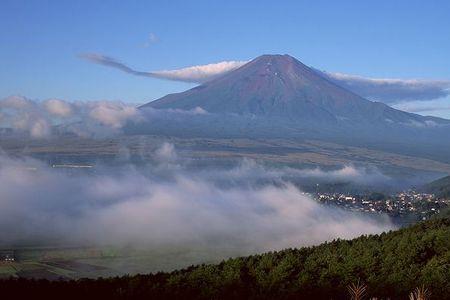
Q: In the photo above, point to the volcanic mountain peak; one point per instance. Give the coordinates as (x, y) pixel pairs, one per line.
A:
(274, 62)
(278, 96)
(273, 85)
(275, 67)
(280, 86)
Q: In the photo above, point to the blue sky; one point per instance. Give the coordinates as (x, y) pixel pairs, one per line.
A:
(41, 40)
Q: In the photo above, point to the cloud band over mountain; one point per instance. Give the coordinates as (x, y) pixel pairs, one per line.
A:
(378, 89)
(391, 90)
(194, 74)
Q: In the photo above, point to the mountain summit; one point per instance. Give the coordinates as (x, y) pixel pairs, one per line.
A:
(278, 96)
(282, 86)
(270, 85)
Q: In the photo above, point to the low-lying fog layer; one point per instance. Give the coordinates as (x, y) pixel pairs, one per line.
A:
(163, 204)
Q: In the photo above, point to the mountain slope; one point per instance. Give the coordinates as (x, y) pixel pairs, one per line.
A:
(276, 96)
(440, 187)
(281, 86)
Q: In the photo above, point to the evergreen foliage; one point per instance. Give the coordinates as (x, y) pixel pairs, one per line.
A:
(390, 265)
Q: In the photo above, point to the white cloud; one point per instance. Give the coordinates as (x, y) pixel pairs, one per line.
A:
(421, 106)
(166, 153)
(15, 102)
(250, 169)
(58, 108)
(49, 118)
(24, 115)
(346, 173)
(391, 90)
(379, 89)
(112, 114)
(184, 209)
(438, 107)
(195, 111)
(152, 39)
(40, 128)
(41, 119)
(201, 73)
(195, 74)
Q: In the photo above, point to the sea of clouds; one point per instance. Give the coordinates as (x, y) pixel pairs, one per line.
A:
(163, 204)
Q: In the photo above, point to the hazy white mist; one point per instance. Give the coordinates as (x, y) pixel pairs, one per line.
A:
(163, 204)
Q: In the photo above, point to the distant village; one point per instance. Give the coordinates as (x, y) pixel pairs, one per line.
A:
(407, 204)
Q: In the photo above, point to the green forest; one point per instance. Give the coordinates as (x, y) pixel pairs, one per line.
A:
(390, 265)
(440, 187)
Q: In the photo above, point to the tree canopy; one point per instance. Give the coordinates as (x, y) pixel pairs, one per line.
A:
(391, 265)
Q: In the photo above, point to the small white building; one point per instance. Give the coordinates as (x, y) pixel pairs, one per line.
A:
(7, 255)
